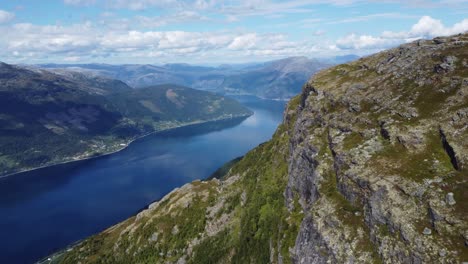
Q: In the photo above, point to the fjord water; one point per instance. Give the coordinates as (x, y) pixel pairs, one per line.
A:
(45, 210)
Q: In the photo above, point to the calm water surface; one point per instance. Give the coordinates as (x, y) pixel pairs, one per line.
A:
(45, 210)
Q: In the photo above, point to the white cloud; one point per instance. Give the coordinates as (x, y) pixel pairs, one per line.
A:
(116, 40)
(426, 27)
(72, 59)
(6, 16)
(243, 42)
(88, 41)
(50, 39)
(359, 42)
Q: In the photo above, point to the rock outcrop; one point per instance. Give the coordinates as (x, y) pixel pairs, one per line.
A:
(388, 139)
(370, 165)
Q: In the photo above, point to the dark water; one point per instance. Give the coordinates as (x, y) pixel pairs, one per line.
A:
(45, 210)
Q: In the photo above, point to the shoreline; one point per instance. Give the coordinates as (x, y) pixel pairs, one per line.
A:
(59, 253)
(124, 147)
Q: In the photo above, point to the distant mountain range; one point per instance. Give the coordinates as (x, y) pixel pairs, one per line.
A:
(51, 117)
(275, 79)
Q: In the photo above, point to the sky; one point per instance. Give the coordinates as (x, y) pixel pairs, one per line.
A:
(215, 31)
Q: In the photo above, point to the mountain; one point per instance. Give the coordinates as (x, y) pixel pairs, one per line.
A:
(275, 79)
(53, 117)
(369, 166)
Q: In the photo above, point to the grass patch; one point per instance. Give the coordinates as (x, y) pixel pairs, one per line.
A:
(353, 140)
(430, 162)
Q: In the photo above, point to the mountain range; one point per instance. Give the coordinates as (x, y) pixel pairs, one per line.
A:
(278, 79)
(53, 117)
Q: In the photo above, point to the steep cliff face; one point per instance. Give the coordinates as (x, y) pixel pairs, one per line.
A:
(378, 151)
(369, 166)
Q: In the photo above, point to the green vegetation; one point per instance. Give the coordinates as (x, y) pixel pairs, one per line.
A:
(153, 239)
(265, 179)
(213, 250)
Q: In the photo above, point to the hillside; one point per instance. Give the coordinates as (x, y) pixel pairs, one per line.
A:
(275, 79)
(368, 166)
(48, 118)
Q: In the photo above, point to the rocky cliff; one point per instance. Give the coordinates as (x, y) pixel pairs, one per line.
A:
(369, 166)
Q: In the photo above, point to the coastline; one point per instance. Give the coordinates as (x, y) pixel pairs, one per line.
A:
(126, 144)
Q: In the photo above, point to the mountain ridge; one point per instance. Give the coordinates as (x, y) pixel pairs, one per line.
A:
(284, 76)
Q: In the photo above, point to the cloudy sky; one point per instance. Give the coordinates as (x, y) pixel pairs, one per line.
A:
(215, 31)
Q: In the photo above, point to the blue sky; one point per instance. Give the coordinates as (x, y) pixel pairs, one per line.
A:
(215, 31)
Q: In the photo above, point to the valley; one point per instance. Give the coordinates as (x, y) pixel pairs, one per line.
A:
(49, 118)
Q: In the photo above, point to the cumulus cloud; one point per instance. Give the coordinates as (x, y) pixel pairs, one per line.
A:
(96, 41)
(357, 42)
(243, 42)
(6, 16)
(426, 27)
(429, 27)
(29, 38)
(90, 41)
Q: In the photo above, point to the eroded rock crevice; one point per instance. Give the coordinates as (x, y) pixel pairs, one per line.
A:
(449, 150)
